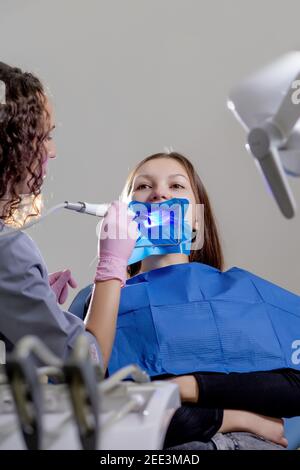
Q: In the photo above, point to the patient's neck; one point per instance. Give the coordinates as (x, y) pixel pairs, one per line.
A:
(160, 261)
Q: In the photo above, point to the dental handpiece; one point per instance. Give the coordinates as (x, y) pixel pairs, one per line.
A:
(98, 210)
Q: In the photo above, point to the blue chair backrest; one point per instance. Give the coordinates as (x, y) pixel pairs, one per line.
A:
(292, 432)
(77, 305)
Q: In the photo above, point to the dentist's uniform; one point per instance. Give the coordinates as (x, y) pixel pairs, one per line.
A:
(27, 303)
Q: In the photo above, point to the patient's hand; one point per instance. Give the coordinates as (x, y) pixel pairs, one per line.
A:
(59, 282)
(271, 429)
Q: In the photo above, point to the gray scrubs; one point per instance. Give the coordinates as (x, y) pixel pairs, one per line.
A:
(28, 306)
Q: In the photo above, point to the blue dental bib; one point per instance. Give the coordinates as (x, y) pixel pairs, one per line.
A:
(192, 317)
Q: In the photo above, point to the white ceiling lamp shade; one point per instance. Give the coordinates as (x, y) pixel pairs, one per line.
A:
(267, 105)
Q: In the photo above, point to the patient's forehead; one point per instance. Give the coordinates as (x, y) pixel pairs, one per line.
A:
(161, 167)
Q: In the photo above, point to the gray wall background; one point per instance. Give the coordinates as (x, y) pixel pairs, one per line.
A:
(130, 77)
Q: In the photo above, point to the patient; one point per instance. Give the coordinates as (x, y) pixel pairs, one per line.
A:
(237, 410)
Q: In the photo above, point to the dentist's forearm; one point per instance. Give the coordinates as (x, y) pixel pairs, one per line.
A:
(102, 315)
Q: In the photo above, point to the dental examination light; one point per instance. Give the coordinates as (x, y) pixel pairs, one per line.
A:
(267, 104)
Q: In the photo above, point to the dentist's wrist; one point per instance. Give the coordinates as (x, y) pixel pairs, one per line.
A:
(110, 267)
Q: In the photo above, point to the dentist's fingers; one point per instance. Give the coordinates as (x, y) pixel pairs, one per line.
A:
(58, 281)
(63, 279)
(64, 294)
(54, 276)
(72, 282)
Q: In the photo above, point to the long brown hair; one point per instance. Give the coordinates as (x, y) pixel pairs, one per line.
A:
(211, 252)
(24, 125)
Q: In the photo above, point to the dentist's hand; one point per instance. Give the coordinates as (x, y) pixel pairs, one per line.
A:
(59, 282)
(117, 238)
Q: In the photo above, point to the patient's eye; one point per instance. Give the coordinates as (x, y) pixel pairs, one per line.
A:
(177, 186)
(142, 186)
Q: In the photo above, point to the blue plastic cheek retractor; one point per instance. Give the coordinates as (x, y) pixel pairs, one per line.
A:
(163, 228)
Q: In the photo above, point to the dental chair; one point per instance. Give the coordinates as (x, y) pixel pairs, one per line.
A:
(292, 425)
(77, 305)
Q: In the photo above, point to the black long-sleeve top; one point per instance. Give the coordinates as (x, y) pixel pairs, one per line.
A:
(272, 393)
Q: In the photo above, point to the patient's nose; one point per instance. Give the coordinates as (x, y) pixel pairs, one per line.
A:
(159, 196)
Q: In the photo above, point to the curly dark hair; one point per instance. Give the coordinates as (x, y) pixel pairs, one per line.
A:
(211, 253)
(24, 125)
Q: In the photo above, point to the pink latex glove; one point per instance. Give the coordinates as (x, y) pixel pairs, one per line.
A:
(120, 232)
(59, 284)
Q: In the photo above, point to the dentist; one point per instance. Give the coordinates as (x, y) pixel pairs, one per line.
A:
(29, 297)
